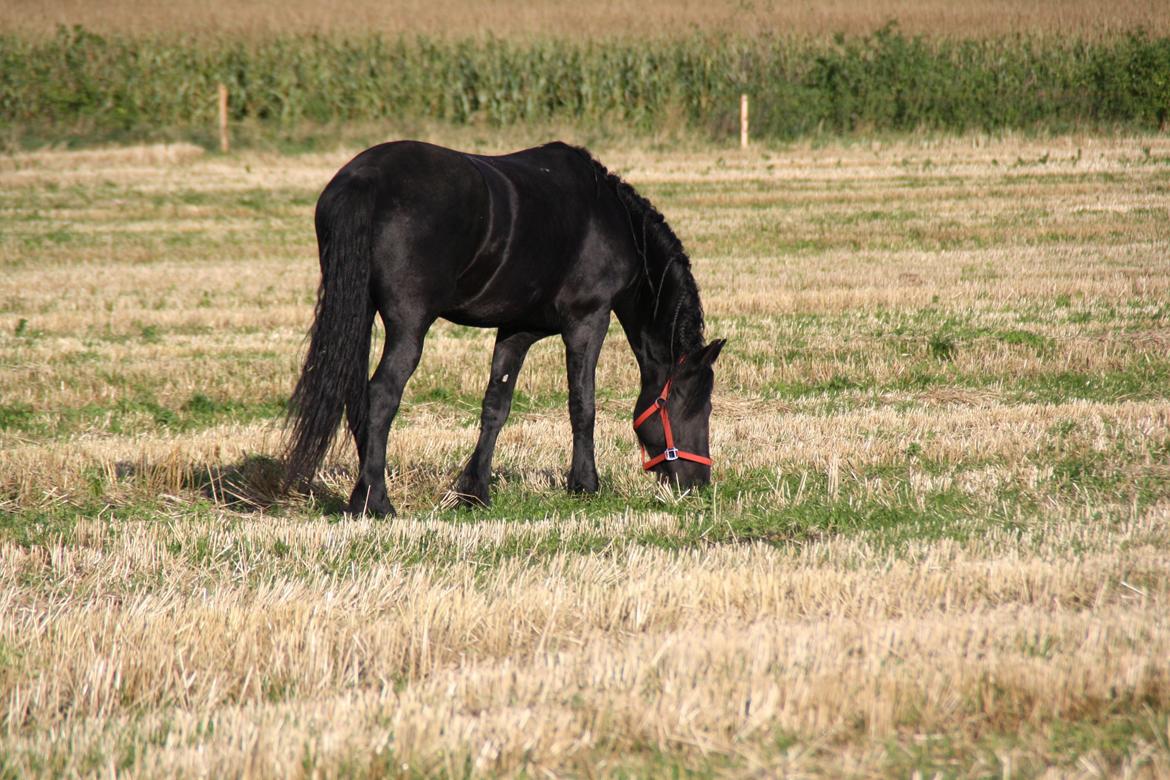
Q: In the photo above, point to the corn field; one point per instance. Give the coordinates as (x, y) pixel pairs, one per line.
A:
(79, 84)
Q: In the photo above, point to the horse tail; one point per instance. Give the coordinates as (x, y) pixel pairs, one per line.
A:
(336, 370)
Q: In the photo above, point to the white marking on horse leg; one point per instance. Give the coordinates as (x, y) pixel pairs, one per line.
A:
(504, 378)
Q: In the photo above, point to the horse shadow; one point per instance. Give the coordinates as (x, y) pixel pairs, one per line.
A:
(254, 483)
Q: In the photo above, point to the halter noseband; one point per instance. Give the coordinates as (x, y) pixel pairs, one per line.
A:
(671, 452)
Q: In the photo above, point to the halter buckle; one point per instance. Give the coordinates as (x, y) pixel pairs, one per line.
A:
(671, 453)
(660, 402)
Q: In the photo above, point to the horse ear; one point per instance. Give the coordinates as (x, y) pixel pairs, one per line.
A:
(707, 355)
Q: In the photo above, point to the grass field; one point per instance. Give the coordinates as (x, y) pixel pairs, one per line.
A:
(938, 540)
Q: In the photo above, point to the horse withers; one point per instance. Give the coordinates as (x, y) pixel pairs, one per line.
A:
(539, 242)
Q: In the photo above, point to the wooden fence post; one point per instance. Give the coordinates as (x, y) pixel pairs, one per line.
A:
(223, 118)
(743, 121)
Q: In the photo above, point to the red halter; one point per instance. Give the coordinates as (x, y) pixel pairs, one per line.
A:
(671, 452)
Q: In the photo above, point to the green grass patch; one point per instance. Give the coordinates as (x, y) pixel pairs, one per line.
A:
(1109, 738)
(139, 413)
(16, 417)
(1025, 338)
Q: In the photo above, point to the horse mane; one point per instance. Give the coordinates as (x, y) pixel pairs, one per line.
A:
(670, 290)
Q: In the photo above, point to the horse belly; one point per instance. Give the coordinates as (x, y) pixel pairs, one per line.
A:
(520, 294)
(519, 270)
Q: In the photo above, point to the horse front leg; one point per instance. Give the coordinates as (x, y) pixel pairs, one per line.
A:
(400, 357)
(582, 347)
(471, 488)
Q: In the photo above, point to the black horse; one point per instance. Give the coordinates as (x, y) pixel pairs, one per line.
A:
(540, 242)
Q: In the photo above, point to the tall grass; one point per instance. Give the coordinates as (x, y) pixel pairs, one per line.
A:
(81, 83)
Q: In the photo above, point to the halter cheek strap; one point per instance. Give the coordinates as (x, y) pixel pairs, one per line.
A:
(671, 452)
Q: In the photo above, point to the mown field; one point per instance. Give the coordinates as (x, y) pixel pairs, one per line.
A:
(938, 540)
(637, 19)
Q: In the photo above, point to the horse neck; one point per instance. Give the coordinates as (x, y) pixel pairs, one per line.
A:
(654, 359)
(653, 329)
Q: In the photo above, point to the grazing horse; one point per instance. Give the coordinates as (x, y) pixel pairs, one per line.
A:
(539, 242)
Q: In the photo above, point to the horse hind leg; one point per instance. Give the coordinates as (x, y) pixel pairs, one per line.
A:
(357, 404)
(400, 356)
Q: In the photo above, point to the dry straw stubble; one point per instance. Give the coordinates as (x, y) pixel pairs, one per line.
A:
(963, 336)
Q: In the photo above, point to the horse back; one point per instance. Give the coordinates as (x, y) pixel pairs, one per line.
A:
(523, 239)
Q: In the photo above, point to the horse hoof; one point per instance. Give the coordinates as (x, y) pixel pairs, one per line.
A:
(468, 491)
(469, 495)
(361, 503)
(377, 512)
(468, 501)
(584, 486)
